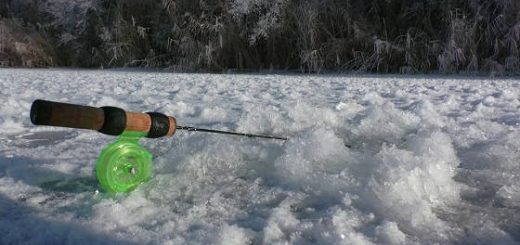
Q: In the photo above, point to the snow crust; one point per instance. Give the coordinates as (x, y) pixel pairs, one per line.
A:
(370, 160)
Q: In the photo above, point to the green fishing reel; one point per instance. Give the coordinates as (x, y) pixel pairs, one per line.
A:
(124, 164)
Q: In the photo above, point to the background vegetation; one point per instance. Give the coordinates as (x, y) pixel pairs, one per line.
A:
(399, 36)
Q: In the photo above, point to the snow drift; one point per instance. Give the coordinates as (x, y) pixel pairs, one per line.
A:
(370, 160)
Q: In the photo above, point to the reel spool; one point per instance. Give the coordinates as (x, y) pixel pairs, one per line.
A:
(124, 164)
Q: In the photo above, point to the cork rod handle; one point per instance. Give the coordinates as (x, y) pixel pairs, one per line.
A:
(107, 120)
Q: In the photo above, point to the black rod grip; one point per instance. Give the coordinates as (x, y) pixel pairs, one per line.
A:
(66, 115)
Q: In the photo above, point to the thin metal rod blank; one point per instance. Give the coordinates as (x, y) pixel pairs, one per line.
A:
(193, 129)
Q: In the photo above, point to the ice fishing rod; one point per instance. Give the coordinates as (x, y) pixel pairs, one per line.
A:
(114, 121)
(123, 164)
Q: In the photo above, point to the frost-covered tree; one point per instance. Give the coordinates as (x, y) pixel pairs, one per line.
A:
(407, 36)
(259, 17)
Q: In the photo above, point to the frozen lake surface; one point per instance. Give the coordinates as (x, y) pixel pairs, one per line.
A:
(432, 160)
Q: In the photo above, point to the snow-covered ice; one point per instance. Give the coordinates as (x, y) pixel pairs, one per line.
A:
(430, 160)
